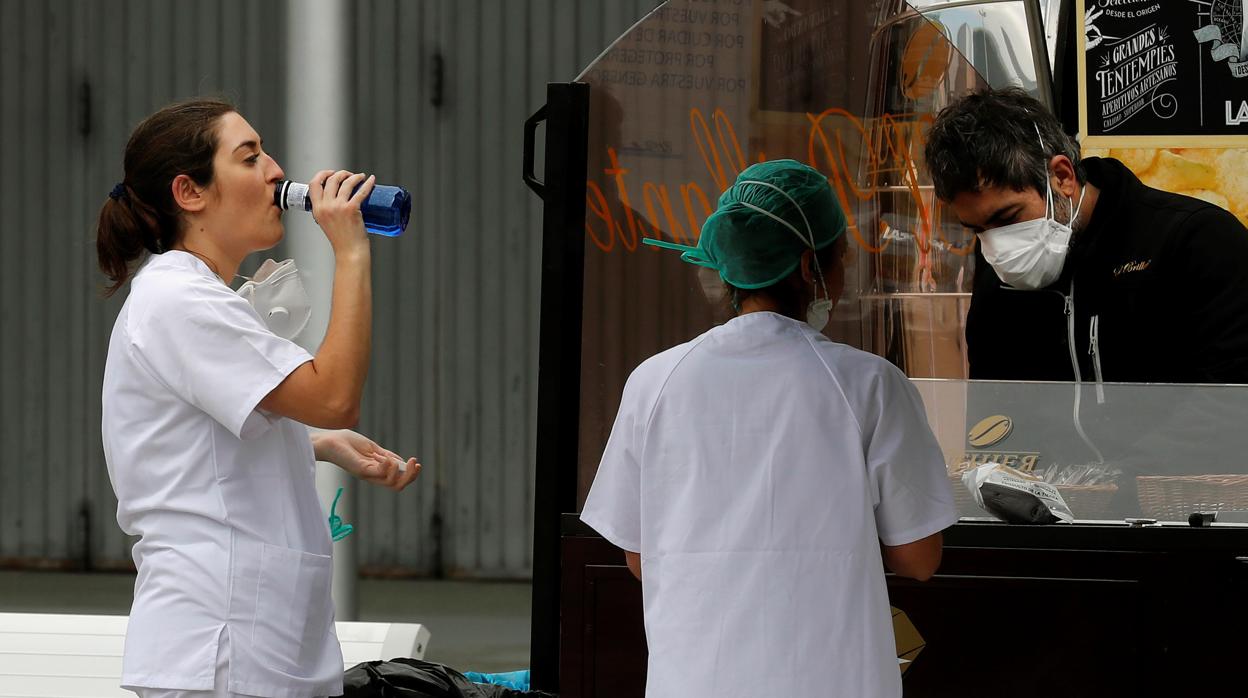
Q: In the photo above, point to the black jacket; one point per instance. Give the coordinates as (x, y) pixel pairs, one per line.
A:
(1162, 278)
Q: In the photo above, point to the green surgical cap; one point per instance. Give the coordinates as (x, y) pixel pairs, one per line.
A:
(746, 239)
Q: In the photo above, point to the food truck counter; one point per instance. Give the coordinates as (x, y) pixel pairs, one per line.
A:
(1060, 610)
(1098, 607)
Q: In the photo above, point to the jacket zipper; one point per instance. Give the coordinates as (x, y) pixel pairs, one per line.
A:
(1070, 331)
(1069, 310)
(1074, 362)
(1094, 348)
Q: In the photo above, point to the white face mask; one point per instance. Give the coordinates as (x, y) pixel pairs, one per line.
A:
(820, 309)
(818, 313)
(1030, 255)
(277, 294)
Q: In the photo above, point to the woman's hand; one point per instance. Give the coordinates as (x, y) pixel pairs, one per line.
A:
(360, 456)
(337, 210)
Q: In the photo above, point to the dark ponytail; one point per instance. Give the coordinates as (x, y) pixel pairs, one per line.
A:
(140, 216)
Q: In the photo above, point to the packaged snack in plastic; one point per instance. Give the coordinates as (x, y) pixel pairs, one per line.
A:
(1016, 497)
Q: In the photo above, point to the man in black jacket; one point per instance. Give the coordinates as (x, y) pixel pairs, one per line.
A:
(1103, 278)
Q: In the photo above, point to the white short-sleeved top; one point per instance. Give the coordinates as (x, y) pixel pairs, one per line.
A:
(757, 469)
(221, 494)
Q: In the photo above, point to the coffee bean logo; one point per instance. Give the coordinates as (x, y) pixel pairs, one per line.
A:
(989, 431)
(924, 61)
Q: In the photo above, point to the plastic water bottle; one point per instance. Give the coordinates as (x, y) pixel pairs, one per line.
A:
(385, 211)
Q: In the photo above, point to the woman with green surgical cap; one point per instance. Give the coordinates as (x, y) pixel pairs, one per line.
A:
(760, 477)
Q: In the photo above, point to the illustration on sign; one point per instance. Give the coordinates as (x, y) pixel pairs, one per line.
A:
(1158, 69)
(1131, 74)
(1093, 33)
(1224, 32)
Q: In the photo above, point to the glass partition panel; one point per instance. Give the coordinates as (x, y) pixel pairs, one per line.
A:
(1114, 451)
(698, 90)
(995, 36)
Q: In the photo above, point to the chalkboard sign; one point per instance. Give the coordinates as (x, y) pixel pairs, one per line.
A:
(1158, 73)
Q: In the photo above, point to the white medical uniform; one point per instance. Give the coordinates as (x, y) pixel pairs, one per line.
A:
(756, 469)
(234, 547)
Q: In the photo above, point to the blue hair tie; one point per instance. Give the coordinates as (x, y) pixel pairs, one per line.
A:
(118, 191)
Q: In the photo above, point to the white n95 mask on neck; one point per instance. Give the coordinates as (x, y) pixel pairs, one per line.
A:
(818, 313)
(277, 294)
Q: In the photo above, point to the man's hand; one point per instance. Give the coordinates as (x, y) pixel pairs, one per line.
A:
(360, 456)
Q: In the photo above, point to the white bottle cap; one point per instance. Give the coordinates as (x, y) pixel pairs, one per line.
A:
(291, 195)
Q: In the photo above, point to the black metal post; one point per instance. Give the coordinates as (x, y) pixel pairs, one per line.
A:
(559, 359)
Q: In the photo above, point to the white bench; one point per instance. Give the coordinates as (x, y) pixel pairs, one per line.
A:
(51, 655)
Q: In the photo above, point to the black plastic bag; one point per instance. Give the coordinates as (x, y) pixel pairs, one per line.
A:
(1016, 497)
(415, 678)
(1015, 506)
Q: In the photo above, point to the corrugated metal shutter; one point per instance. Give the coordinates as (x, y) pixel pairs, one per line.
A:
(454, 375)
(76, 77)
(455, 365)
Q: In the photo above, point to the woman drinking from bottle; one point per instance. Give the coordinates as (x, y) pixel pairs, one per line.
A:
(205, 407)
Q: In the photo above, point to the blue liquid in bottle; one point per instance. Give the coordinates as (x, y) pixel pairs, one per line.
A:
(386, 211)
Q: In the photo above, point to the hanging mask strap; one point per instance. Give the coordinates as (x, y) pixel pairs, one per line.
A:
(337, 529)
(1078, 207)
(1048, 187)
